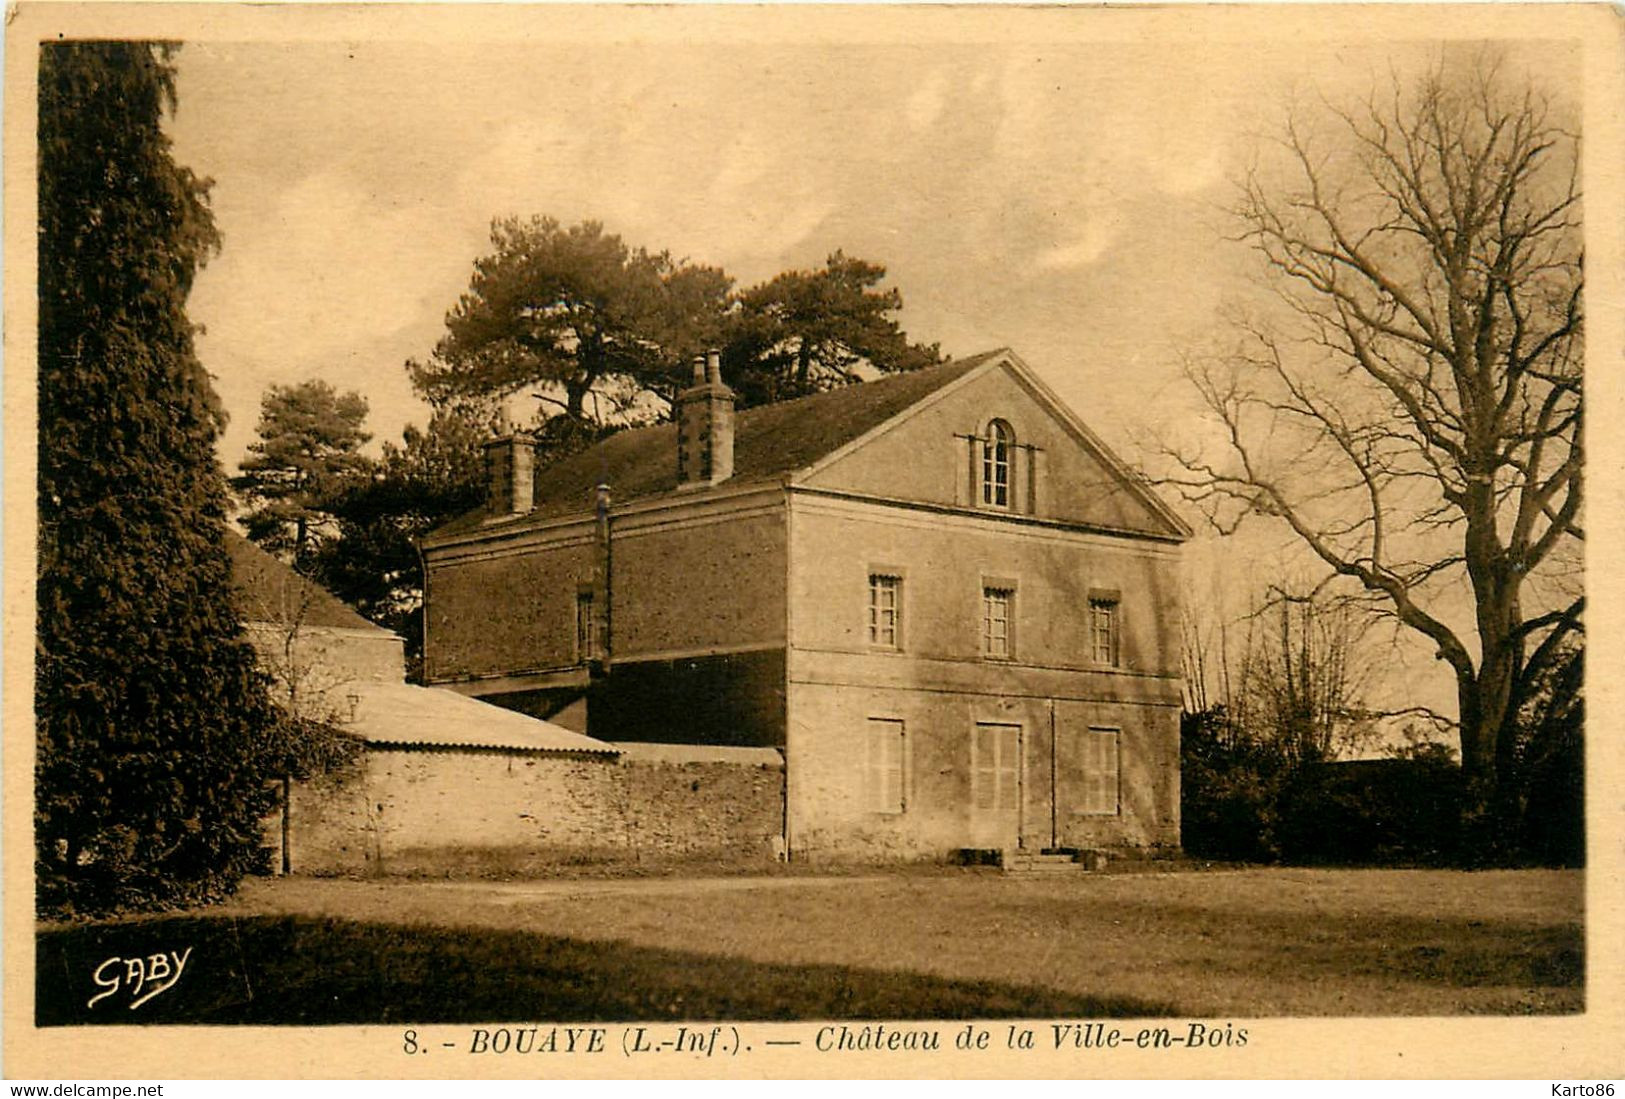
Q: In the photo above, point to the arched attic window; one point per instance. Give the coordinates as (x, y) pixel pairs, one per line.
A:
(998, 461)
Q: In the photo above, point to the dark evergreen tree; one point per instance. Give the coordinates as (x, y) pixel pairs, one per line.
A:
(308, 450)
(153, 725)
(573, 309)
(436, 474)
(805, 331)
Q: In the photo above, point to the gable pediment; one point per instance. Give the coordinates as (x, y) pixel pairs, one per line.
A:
(1000, 441)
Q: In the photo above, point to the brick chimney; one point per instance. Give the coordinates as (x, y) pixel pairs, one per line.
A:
(510, 474)
(705, 426)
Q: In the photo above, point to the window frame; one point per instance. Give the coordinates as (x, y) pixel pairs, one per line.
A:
(999, 436)
(875, 779)
(587, 642)
(1087, 808)
(871, 630)
(998, 585)
(1112, 605)
(980, 776)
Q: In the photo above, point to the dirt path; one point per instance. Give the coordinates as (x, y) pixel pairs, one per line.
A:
(454, 899)
(520, 892)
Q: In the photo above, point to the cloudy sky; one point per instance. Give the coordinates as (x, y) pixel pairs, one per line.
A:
(1052, 181)
(1064, 199)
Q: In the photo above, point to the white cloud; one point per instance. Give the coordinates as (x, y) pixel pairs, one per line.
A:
(330, 279)
(1098, 235)
(354, 194)
(924, 105)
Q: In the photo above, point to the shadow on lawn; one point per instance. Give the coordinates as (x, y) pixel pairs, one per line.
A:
(295, 970)
(1484, 953)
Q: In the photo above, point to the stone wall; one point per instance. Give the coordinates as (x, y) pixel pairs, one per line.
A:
(709, 582)
(1049, 698)
(491, 811)
(943, 563)
(324, 660)
(507, 608)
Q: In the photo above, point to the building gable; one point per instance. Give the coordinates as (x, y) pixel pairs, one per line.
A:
(268, 591)
(1050, 465)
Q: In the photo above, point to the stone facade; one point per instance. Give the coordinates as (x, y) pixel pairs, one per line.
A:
(940, 686)
(938, 593)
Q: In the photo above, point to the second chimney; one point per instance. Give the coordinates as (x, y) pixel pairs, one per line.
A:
(705, 426)
(510, 472)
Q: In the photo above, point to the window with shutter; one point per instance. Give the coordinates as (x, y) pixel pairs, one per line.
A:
(586, 628)
(1100, 771)
(998, 459)
(995, 762)
(883, 790)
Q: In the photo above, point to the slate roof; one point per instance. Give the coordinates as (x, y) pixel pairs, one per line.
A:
(769, 441)
(269, 591)
(390, 714)
(399, 715)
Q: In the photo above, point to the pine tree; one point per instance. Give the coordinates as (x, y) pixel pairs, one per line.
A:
(572, 308)
(307, 455)
(435, 474)
(803, 331)
(153, 724)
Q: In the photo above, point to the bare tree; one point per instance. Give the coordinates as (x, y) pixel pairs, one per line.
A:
(1200, 657)
(306, 685)
(1413, 413)
(1303, 674)
(1291, 671)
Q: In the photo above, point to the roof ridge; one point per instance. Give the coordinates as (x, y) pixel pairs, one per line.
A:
(770, 440)
(884, 379)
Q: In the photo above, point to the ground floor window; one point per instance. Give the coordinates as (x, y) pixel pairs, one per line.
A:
(1100, 767)
(883, 787)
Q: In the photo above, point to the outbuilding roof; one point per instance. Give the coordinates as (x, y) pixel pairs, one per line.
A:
(769, 441)
(399, 715)
(269, 591)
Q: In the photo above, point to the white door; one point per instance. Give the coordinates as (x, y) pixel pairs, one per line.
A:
(995, 785)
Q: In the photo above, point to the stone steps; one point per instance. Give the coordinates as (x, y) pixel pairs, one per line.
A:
(1019, 863)
(1028, 862)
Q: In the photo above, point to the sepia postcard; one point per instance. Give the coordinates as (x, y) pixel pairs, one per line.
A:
(791, 541)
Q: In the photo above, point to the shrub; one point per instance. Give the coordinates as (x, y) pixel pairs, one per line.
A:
(1379, 811)
(1548, 779)
(1229, 789)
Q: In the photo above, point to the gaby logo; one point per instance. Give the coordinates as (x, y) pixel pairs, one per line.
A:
(142, 978)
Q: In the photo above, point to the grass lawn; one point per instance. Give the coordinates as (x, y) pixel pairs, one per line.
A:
(949, 945)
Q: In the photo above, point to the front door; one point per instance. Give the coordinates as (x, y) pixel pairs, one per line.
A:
(996, 785)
